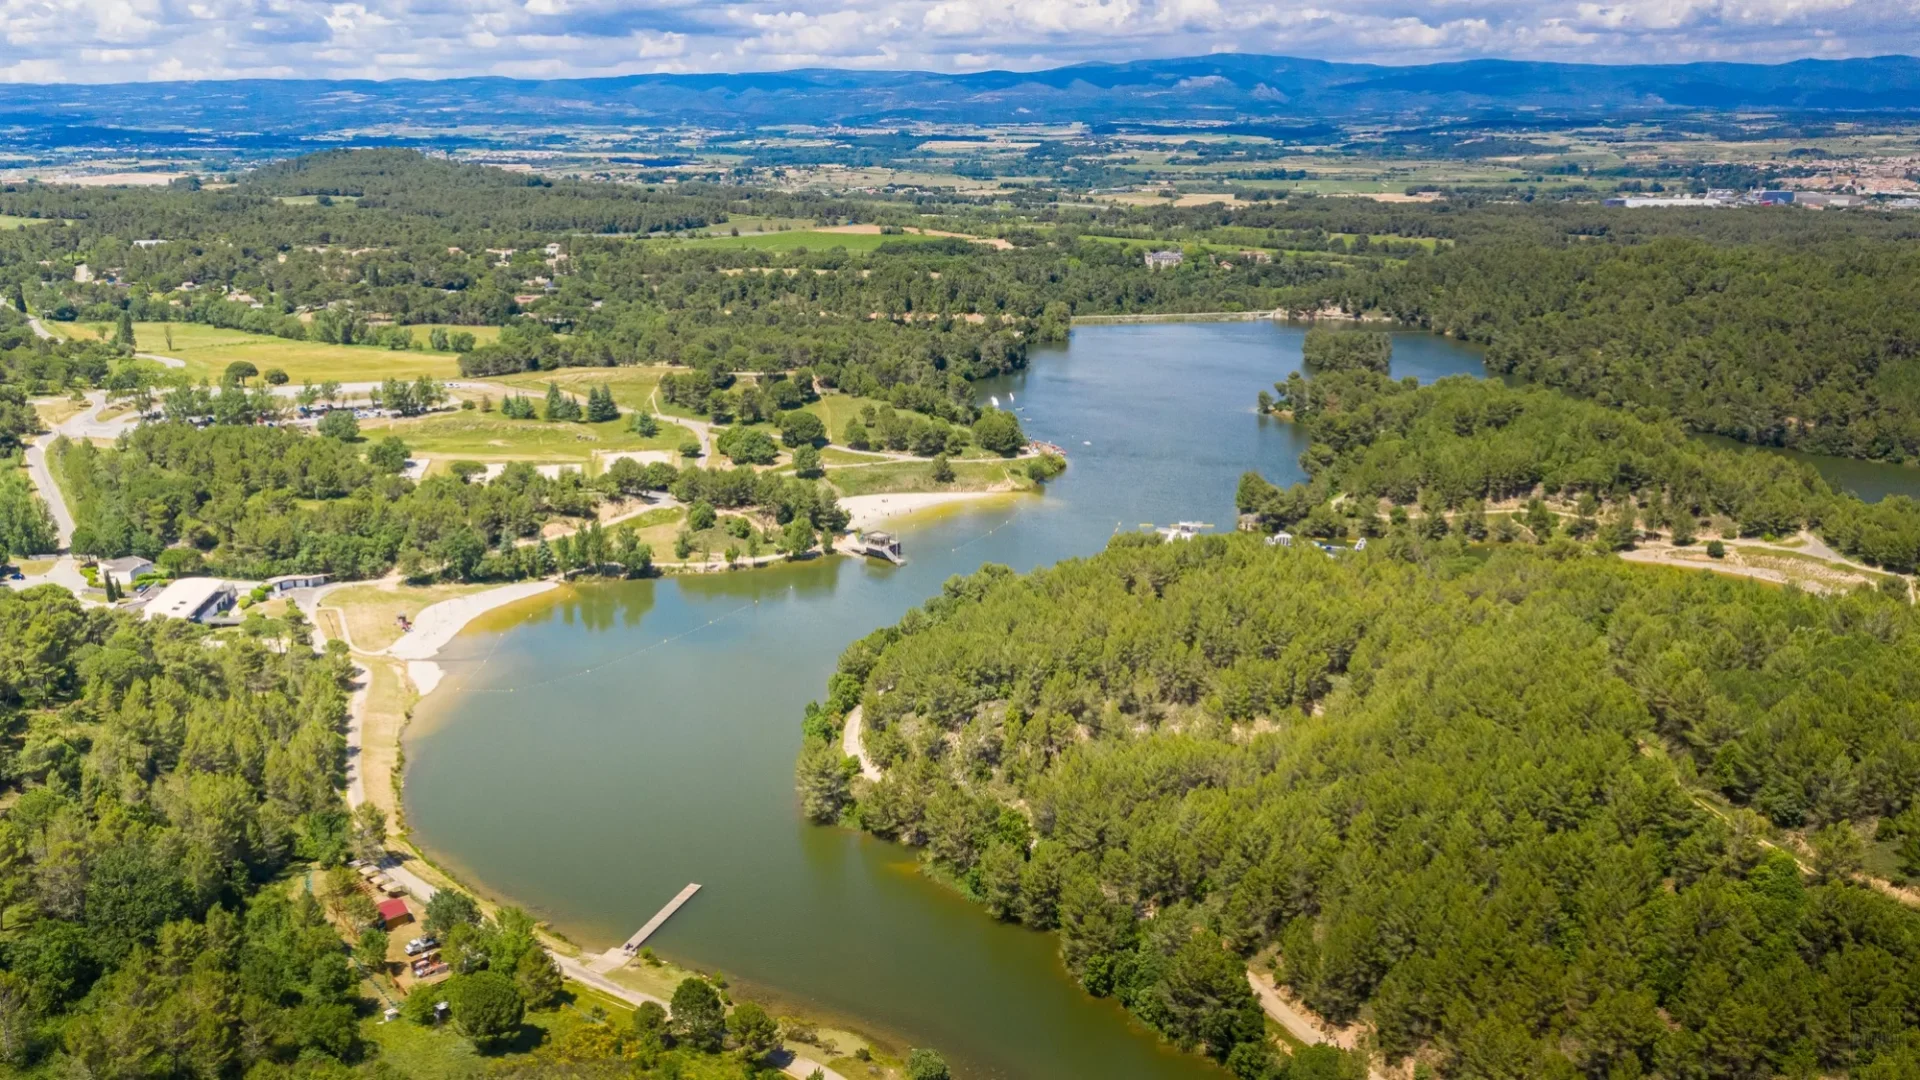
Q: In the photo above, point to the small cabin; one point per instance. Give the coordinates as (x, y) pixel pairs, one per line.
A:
(394, 913)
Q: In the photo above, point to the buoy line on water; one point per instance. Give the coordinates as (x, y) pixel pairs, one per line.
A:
(590, 669)
(984, 535)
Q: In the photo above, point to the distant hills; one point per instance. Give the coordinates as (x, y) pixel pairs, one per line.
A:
(1221, 88)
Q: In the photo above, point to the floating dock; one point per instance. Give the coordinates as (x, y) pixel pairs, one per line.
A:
(880, 545)
(617, 957)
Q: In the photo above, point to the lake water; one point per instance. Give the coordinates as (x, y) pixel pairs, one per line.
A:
(613, 742)
(1867, 480)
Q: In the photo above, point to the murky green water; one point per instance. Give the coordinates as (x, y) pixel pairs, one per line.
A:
(1868, 480)
(623, 740)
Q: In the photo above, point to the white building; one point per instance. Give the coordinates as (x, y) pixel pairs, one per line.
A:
(124, 570)
(285, 582)
(1164, 260)
(194, 599)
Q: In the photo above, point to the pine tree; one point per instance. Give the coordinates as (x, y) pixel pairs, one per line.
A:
(600, 406)
(124, 335)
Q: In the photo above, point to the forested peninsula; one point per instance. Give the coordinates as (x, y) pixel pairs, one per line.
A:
(1383, 449)
(1517, 816)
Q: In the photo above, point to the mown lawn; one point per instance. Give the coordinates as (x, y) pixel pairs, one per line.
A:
(207, 350)
(632, 386)
(472, 435)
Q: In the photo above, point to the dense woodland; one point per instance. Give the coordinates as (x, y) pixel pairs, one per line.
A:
(1457, 446)
(166, 784)
(1813, 347)
(1468, 800)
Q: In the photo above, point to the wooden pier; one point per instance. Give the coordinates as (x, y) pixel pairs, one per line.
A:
(617, 957)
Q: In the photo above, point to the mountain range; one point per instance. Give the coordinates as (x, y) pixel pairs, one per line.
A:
(1227, 88)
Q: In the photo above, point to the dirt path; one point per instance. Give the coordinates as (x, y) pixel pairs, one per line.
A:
(1302, 1024)
(851, 745)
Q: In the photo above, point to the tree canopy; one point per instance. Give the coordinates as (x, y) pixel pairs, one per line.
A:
(1472, 800)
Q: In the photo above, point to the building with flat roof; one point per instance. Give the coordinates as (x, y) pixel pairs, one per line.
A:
(195, 599)
(124, 569)
(278, 585)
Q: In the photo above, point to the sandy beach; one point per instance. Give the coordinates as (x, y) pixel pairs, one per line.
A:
(438, 623)
(868, 511)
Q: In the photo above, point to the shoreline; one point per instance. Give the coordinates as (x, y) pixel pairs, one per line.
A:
(435, 627)
(869, 511)
(438, 624)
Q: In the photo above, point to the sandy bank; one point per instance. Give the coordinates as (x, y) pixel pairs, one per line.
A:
(868, 511)
(439, 622)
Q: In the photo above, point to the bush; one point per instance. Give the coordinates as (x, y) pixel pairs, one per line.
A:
(1716, 550)
(927, 1065)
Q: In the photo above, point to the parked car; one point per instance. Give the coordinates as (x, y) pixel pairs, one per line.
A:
(422, 944)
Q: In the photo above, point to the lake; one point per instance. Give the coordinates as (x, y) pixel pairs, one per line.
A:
(614, 742)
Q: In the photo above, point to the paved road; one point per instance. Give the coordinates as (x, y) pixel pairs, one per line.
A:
(42, 477)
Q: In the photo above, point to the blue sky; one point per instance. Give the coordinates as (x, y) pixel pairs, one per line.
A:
(131, 40)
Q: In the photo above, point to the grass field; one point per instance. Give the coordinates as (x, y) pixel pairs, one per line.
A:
(477, 436)
(59, 410)
(8, 221)
(207, 350)
(371, 610)
(631, 386)
(914, 476)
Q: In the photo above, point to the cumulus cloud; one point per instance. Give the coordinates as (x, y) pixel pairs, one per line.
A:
(127, 40)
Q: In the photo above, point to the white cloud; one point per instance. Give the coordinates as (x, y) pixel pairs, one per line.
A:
(113, 40)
